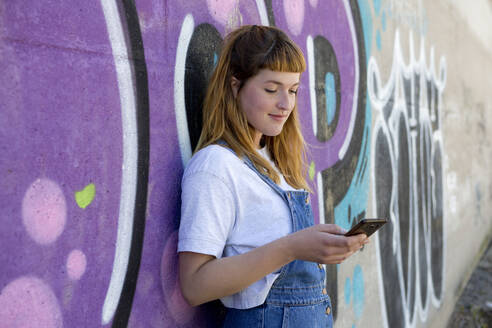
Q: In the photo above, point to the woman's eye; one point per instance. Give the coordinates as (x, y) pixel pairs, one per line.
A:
(270, 90)
(294, 92)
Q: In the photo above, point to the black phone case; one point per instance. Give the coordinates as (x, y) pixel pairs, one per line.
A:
(366, 226)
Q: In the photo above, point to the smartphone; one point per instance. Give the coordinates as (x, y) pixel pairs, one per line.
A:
(367, 226)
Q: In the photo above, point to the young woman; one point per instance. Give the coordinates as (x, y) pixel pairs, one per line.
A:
(247, 233)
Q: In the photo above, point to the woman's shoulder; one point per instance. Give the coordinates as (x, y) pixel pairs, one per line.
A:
(213, 159)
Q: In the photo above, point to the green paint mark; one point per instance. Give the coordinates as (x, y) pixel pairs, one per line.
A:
(85, 196)
(311, 170)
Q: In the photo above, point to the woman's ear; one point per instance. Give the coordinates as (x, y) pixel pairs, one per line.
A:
(235, 84)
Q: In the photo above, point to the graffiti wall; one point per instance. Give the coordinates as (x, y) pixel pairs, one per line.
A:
(101, 109)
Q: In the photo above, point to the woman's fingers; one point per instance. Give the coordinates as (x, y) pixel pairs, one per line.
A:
(337, 248)
(324, 243)
(343, 242)
(337, 257)
(337, 230)
(331, 228)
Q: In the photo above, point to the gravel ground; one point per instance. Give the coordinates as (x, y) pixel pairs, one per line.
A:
(474, 307)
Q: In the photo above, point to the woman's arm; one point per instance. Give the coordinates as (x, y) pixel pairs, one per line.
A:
(204, 278)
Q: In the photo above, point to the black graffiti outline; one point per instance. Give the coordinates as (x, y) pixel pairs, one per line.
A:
(408, 146)
(130, 22)
(346, 167)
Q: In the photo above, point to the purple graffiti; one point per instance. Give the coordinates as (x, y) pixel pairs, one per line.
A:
(96, 126)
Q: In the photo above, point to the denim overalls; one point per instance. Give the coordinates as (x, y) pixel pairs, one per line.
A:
(298, 297)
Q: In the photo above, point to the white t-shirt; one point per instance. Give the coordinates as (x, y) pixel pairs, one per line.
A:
(226, 210)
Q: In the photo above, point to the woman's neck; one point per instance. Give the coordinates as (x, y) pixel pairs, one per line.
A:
(259, 140)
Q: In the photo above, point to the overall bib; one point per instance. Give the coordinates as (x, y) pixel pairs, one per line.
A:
(298, 297)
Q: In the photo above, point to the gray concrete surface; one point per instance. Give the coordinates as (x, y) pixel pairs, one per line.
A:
(474, 307)
(100, 109)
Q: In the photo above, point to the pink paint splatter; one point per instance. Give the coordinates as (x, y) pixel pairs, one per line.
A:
(29, 302)
(313, 3)
(44, 211)
(180, 310)
(76, 264)
(294, 14)
(222, 10)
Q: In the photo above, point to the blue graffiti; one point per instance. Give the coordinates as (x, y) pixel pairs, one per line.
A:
(366, 17)
(331, 97)
(358, 291)
(377, 7)
(378, 39)
(354, 291)
(347, 290)
(353, 205)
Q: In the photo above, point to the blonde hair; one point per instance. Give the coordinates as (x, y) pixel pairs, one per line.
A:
(245, 52)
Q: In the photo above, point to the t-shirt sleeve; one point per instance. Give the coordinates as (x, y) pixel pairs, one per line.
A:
(207, 214)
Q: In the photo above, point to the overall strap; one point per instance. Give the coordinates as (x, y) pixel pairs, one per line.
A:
(250, 164)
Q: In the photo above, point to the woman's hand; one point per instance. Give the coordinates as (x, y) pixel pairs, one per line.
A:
(324, 243)
(204, 278)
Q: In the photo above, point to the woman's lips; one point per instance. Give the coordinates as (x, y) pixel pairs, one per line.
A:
(278, 117)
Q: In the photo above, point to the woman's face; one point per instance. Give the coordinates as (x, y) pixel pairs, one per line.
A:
(267, 99)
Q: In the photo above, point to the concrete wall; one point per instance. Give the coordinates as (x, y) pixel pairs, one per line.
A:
(100, 108)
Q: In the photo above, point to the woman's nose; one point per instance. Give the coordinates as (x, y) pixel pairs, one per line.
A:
(284, 102)
(281, 105)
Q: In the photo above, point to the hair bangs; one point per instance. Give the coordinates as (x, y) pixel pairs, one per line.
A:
(285, 58)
